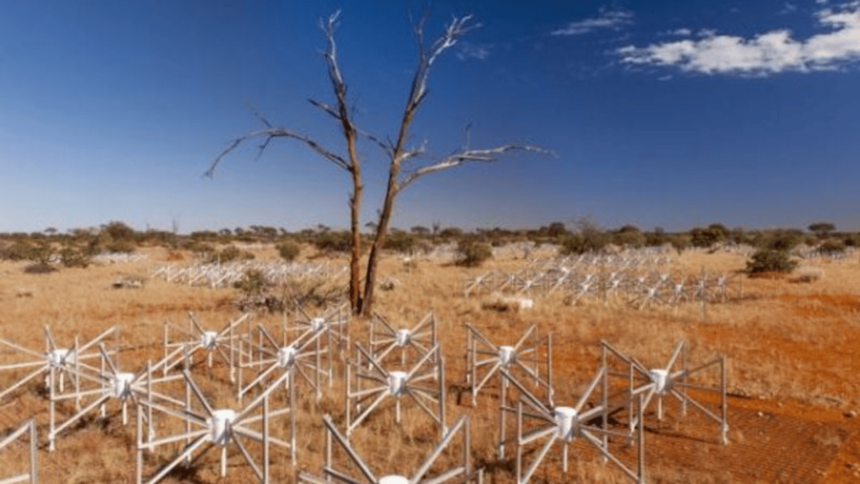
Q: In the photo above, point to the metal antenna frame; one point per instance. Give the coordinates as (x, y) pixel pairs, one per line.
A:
(57, 363)
(215, 427)
(267, 356)
(566, 424)
(28, 428)
(665, 381)
(524, 355)
(460, 473)
(374, 382)
(110, 384)
(334, 323)
(199, 339)
(384, 339)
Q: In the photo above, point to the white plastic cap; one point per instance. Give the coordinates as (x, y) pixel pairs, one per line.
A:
(209, 339)
(122, 384)
(565, 419)
(317, 324)
(403, 337)
(393, 480)
(660, 378)
(506, 354)
(287, 356)
(396, 380)
(221, 426)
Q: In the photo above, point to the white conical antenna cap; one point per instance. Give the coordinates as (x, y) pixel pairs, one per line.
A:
(221, 422)
(393, 480)
(403, 337)
(660, 378)
(506, 354)
(565, 419)
(396, 380)
(209, 339)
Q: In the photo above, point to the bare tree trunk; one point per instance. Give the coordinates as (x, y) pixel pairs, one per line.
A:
(379, 241)
(355, 245)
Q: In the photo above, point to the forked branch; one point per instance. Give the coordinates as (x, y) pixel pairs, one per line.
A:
(469, 156)
(267, 135)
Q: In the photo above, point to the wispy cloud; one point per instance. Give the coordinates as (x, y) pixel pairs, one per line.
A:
(469, 50)
(788, 8)
(764, 54)
(607, 18)
(681, 32)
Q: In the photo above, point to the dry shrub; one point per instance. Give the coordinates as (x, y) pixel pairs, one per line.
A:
(809, 274)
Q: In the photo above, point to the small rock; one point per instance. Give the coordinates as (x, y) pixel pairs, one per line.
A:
(760, 414)
(850, 414)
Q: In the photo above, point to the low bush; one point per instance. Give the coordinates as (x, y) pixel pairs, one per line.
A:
(832, 246)
(289, 250)
(769, 260)
(473, 254)
(73, 257)
(253, 283)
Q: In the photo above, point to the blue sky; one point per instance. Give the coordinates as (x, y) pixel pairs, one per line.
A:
(661, 113)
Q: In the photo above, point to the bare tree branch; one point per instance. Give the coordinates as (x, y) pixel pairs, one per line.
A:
(453, 31)
(328, 109)
(468, 156)
(267, 135)
(257, 115)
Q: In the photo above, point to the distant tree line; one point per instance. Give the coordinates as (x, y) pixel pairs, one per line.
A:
(52, 248)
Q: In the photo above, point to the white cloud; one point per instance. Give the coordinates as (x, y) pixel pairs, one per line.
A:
(608, 18)
(764, 54)
(468, 50)
(681, 32)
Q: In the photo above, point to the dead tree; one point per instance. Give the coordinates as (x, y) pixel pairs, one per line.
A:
(349, 163)
(396, 152)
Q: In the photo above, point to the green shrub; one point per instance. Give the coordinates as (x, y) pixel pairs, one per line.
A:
(18, 251)
(785, 240)
(253, 283)
(73, 257)
(229, 254)
(472, 253)
(680, 242)
(832, 246)
(123, 246)
(289, 250)
(333, 241)
(852, 240)
(769, 260)
(584, 242)
(399, 241)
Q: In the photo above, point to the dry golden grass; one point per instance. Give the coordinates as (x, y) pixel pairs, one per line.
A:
(791, 349)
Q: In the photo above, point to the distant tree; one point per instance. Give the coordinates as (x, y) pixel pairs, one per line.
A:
(118, 231)
(556, 229)
(720, 231)
(822, 229)
(451, 233)
(420, 230)
(705, 238)
(680, 242)
(784, 239)
(396, 152)
(628, 238)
